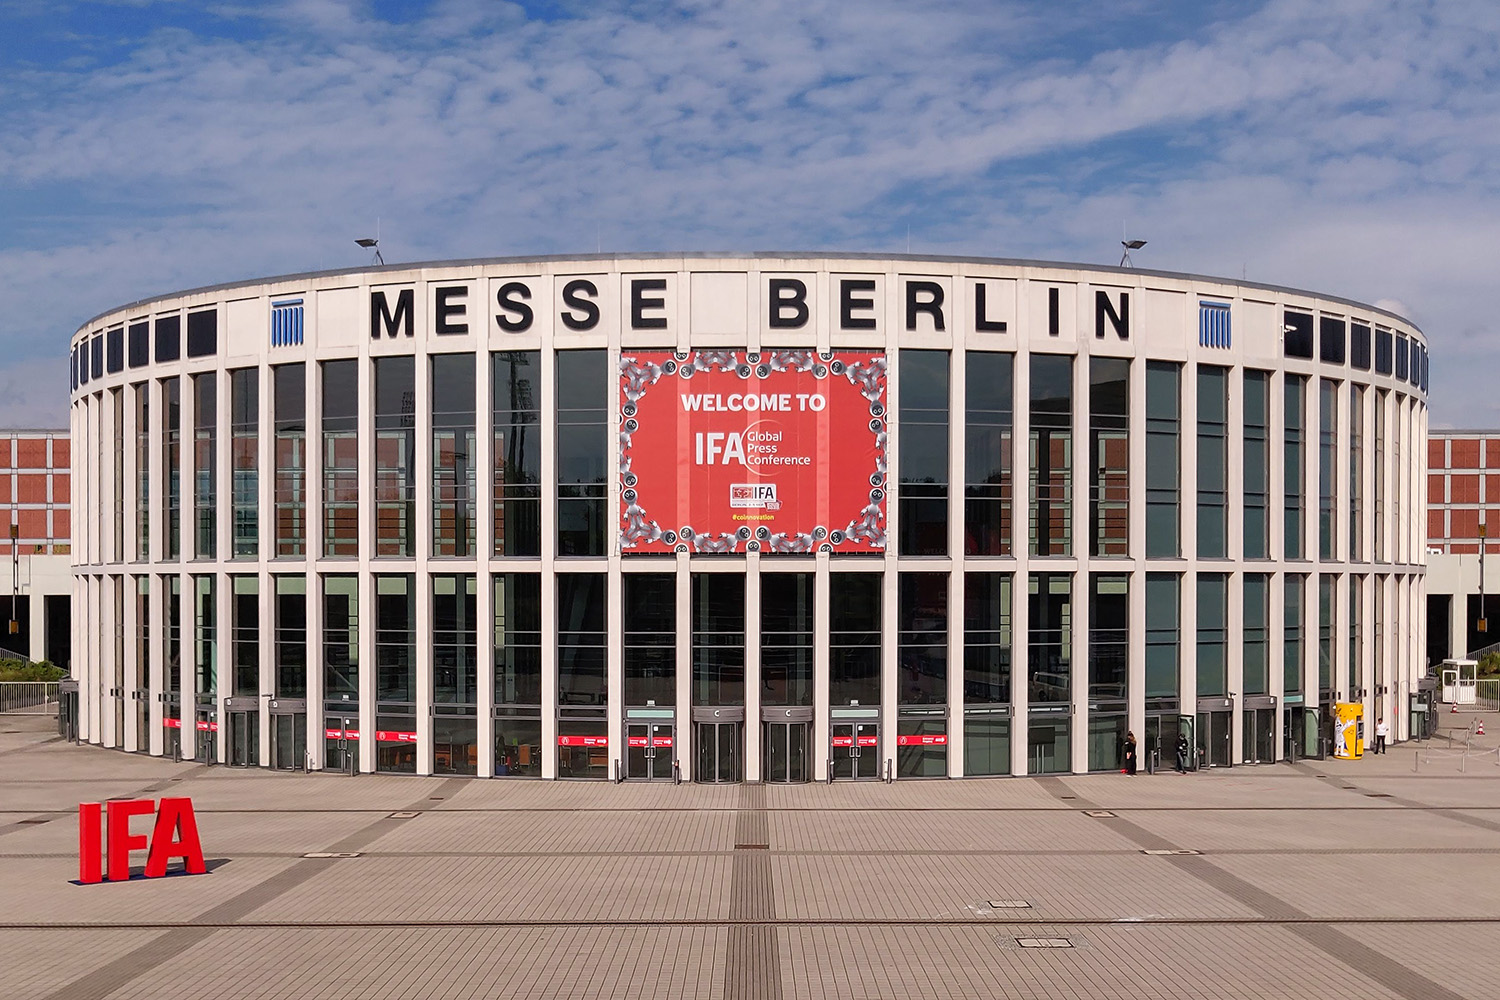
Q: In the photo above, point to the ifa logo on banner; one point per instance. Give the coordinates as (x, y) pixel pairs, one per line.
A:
(174, 835)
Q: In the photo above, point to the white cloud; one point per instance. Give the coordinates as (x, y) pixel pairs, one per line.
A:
(1344, 146)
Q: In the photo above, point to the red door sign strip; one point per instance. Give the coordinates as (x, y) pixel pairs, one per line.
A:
(341, 734)
(391, 736)
(583, 741)
(936, 740)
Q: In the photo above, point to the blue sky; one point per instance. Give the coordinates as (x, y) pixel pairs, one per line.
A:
(1348, 147)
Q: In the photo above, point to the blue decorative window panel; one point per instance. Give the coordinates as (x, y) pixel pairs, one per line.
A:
(1213, 324)
(286, 323)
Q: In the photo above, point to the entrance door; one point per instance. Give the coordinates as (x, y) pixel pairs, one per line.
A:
(341, 742)
(785, 752)
(288, 741)
(648, 751)
(856, 750)
(1214, 732)
(1260, 735)
(244, 739)
(718, 752)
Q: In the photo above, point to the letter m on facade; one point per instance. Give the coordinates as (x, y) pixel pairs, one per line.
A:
(1213, 324)
(382, 318)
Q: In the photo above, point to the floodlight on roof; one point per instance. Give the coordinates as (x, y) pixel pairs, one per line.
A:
(370, 244)
(1130, 245)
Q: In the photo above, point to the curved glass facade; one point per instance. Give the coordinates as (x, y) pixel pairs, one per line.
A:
(388, 520)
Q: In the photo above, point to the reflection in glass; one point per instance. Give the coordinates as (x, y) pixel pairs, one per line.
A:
(395, 456)
(650, 633)
(1109, 456)
(988, 402)
(582, 447)
(1051, 455)
(453, 454)
(340, 458)
(718, 639)
(786, 638)
(924, 453)
(854, 639)
(516, 413)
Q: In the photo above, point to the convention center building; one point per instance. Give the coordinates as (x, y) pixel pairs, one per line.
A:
(763, 517)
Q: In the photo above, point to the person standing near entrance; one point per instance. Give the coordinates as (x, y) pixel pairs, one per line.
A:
(1130, 753)
(1182, 753)
(1381, 732)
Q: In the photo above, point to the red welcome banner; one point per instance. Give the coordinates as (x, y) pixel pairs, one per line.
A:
(781, 451)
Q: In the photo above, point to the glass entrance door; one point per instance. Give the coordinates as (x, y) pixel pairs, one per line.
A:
(718, 759)
(288, 741)
(244, 739)
(1260, 735)
(784, 752)
(648, 751)
(341, 747)
(1214, 732)
(856, 750)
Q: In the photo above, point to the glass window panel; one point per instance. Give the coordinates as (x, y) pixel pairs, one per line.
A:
(922, 639)
(988, 402)
(244, 432)
(516, 412)
(1051, 455)
(581, 639)
(786, 638)
(718, 638)
(1213, 462)
(341, 638)
(987, 639)
(453, 455)
(518, 639)
(1213, 663)
(1163, 465)
(395, 456)
(1257, 471)
(1163, 634)
(1109, 456)
(924, 453)
(1109, 637)
(854, 638)
(340, 458)
(455, 640)
(1049, 669)
(650, 653)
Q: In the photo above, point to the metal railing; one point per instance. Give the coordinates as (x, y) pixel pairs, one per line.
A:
(28, 697)
(1487, 694)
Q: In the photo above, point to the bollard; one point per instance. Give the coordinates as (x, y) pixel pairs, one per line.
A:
(1416, 760)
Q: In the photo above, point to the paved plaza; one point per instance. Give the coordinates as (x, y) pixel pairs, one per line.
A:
(1370, 879)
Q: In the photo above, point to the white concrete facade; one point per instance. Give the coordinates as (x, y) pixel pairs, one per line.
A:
(1362, 600)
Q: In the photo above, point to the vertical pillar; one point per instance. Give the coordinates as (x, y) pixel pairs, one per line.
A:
(752, 759)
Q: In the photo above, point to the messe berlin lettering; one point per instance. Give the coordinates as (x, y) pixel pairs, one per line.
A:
(781, 451)
(852, 304)
(174, 835)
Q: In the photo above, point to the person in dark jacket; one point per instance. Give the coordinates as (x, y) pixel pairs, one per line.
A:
(1130, 753)
(1182, 753)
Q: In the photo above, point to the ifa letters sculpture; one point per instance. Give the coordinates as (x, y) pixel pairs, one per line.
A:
(175, 835)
